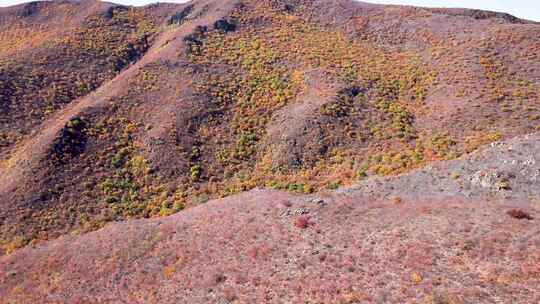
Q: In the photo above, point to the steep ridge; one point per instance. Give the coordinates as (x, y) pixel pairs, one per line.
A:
(266, 246)
(26, 161)
(35, 149)
(228, 96)
(56, 52)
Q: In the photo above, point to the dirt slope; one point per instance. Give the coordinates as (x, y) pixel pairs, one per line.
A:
(110, 113)
(274, 247)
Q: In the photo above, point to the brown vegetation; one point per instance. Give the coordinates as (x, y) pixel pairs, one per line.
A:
(165, 107)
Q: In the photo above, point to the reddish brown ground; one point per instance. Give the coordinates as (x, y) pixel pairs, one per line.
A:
(440, 245)
(132, 113)
(256, 248)
(111, 114)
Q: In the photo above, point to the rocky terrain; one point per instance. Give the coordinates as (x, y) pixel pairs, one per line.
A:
(501, 171)
(271, 151)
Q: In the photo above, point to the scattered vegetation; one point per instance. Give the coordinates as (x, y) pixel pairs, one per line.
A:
(243, 73)
(381, 89)
(97, 160)
(519, 214)
(71, 140)
(179, 18)
(475, 141)
(39, 82)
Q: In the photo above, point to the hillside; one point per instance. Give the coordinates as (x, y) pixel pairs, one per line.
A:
(265, 246)
(134, 119)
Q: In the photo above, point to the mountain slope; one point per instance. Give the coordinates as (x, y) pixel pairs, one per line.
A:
(267, 246)
(184, 103)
